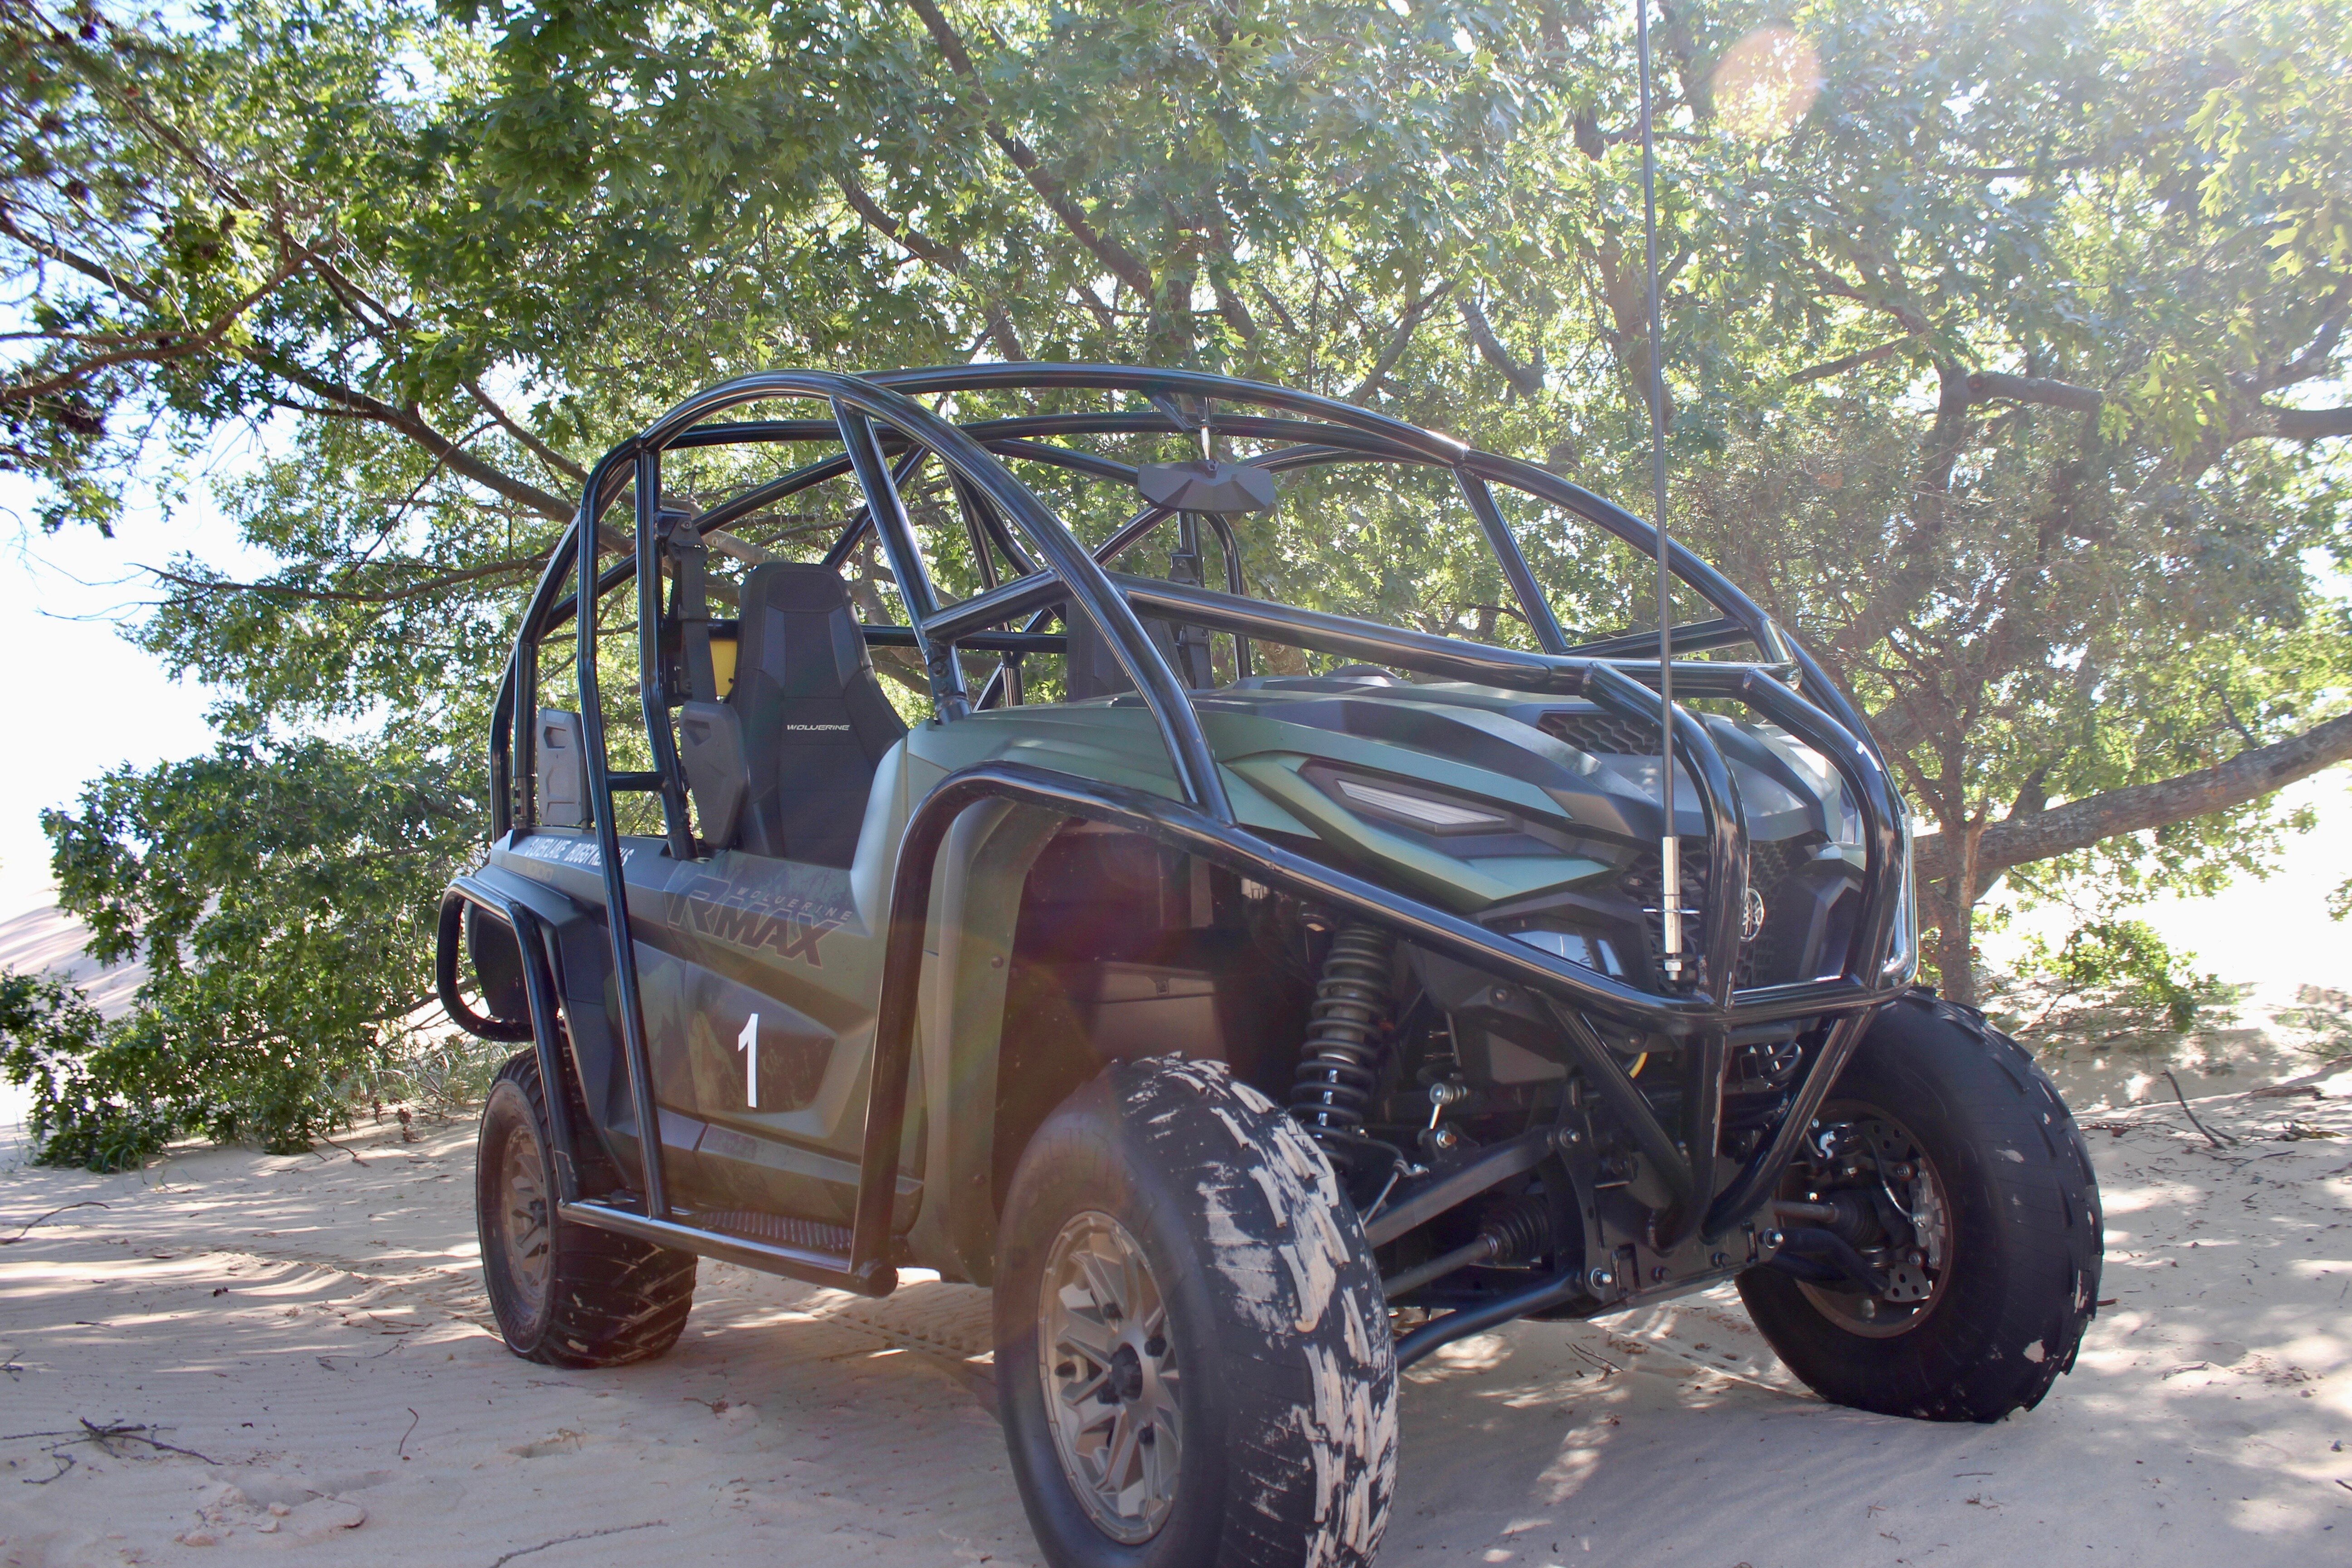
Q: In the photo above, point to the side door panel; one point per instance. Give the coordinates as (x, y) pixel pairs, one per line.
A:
(760, 1031)
(719, 943)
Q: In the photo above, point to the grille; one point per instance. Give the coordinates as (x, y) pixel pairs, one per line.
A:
(1777, 953)
(1641, 881)
(1602, 734)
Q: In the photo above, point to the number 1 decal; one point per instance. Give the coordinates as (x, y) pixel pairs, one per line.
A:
(748, 1042)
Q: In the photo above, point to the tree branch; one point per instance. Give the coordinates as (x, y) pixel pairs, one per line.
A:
(531, 444)
(1406, 326)
(1527, 380)
(2308, 423)
(413, 425)
(1915, 563)
(2313, 360)
(159, 349)
(1851, 362)
(1990, 387)
(1233, 308)
(354, 596)
(1837, 288)
(2248, 424)
(1275, 304)
(1121, 262)
(2079, 824)
(946, 257)
(50, 250)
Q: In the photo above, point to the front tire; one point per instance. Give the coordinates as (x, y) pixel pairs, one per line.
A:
(1985, 1243)
(1193, 1366)
(564, 1294)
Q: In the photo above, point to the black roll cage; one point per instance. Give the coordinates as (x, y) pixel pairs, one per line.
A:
(876, 421)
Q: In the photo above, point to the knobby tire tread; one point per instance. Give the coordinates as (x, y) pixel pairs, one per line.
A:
(1305, 1378)
(2001, 1341)
(614, 1300)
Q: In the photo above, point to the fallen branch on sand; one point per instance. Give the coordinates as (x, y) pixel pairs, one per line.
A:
(582, 1535)
(2210, 1136)
(2307, 1084)
(105, 1437)
(85, 1204)
(331, 1143)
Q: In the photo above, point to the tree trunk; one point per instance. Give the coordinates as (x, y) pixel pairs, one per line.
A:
(1955, 952)
(1949, 900)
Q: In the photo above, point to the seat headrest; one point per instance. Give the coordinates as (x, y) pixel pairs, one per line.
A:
(793, 586)
(799, 637)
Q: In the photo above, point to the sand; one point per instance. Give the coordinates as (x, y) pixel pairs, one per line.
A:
(293, 1354)
(239, 1355)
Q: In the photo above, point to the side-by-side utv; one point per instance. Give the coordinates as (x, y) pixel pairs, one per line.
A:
(1255, 997)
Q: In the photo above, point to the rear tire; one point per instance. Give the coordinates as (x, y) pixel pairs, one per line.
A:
(1178, 1257)
(2007, 1278)
(564, 1294)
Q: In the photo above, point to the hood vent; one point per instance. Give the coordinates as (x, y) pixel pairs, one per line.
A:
(1600, 735)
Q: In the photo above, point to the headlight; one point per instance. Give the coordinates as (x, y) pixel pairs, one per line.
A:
(1429, 812)
(1595, 953)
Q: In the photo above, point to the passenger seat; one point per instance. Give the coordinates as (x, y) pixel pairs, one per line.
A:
(809, 718)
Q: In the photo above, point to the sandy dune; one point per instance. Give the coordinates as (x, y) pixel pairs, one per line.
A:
(291, 1356)
(47, 940)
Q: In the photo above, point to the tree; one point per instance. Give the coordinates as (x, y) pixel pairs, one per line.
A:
(273, 893)
(1992, 331)
(2103, 244)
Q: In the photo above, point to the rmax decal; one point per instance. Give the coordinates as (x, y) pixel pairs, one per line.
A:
(787, 926)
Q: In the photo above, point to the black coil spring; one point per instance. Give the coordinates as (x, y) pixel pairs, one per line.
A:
(1339, 1064)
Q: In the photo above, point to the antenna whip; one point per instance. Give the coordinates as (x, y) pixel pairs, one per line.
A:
(1670, 877)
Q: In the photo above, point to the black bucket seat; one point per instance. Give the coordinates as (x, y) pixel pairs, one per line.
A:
(783, 766)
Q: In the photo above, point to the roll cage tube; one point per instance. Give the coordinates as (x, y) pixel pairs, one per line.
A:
(873, 417)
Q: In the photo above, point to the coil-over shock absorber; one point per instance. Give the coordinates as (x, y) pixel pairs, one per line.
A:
(1339, 1064)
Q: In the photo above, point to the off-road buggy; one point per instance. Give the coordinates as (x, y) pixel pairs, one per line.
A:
(1256, 998)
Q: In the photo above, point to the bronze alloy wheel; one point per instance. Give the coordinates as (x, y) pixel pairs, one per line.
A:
(519, 1217)
(1110, 1375)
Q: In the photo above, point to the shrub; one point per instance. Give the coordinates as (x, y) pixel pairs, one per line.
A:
(283, 898)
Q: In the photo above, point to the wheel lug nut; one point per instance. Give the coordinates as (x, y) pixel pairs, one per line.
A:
(1157, 1345)
(1147, 1437)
